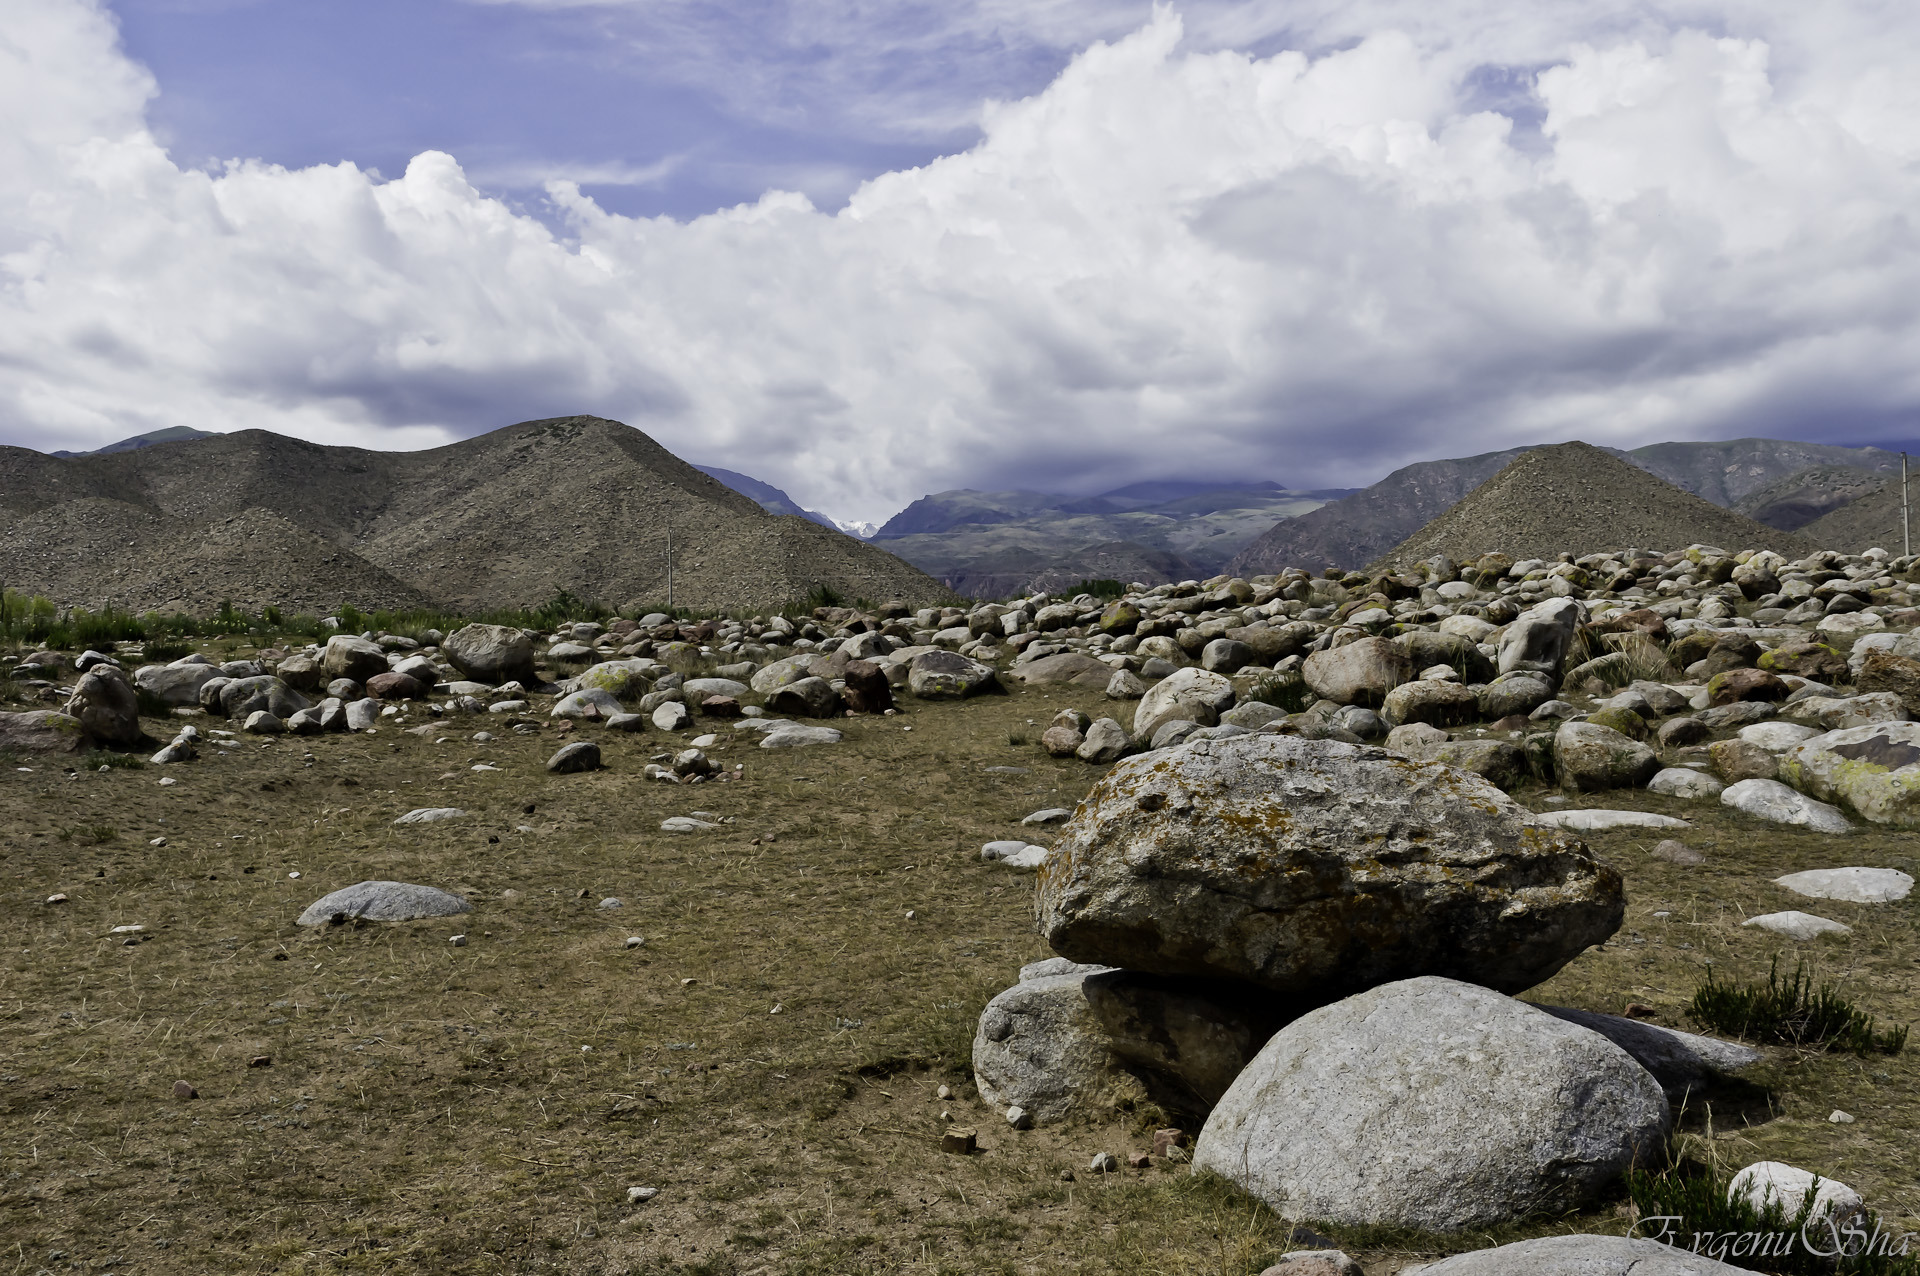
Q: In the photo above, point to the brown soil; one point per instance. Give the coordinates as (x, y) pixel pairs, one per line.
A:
(1577, 499)
(503, 520)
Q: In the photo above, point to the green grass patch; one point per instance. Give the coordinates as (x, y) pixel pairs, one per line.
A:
(1792, 1012)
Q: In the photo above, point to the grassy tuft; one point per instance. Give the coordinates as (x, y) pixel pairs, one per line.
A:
(1791, 1012)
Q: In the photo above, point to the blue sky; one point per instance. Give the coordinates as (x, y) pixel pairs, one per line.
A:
(651, 116)
(867, 251)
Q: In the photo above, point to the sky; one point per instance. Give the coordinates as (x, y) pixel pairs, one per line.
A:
(868, 251)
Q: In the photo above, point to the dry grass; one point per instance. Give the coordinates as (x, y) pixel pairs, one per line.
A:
(485, 1108)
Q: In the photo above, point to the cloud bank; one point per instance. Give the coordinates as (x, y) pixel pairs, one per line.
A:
(1434, 231)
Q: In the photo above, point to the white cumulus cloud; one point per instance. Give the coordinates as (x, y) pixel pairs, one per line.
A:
(1178, 258)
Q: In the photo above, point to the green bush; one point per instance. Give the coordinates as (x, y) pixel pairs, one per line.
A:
(1791, 1012)
(1098, 588)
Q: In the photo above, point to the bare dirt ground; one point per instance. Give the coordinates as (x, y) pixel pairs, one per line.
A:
(769, 1059)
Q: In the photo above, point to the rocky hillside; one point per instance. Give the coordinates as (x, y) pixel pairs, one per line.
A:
(1574, 498)
(1781, 483)
(506, 519)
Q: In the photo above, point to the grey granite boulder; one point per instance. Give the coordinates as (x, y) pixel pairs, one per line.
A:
(1191, 695)
(1679, 1061)
(1874, 769)
(1359, 673)
(948, 675)
(1579, 1256)
(350, 657)
(176, 684)
(383, 902)
(1435, 1105)
(107, 706)
(1590, 758)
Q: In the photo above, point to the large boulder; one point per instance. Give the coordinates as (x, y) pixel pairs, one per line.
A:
(1538, 639)
(244, 696)
(41, 731)
(1435, 1105)
(948, 675)
(782, 672)
(620, 679)
(1589, 758)
(1190, 695)
(1518, 693)
(1072, 1039)
(1874, 769)
(1359, 673)
(107, 706)
(491, 654)
(177, 685)
(1582, 1255)
(1317, 868)
(1884, 671)
(808, 697)
(349, 657)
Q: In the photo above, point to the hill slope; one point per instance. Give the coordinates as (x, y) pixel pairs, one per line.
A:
(504, 519)
(1872, 520)
(1575, 498)
(766, 495)
(1781, 482)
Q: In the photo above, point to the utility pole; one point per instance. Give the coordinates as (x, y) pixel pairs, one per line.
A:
(1906, 517)
(669, 566)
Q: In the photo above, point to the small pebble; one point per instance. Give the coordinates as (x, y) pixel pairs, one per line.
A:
(641, 1195)
(1104, 1163)
(1019, 1118)
(634, 941)
(169, 781)
(181, 1090)
(56, 899)
(1840, 1118)
(944, 1092)
(260, 1061)
(157, 841)
(1139, 1160)
(294, 876)
(959, 1140)
(458, 941)
(612, 901)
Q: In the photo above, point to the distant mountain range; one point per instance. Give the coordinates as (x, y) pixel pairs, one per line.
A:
(996, 544)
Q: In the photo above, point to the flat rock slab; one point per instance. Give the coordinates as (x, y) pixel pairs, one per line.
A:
(685, 824)
(1014, 854)
(1578, 1256)
(792, 735)
(1855, 885)
(1679, 1061)
(1591, 821)
(1052, 815)
(1797, 925)
(383, 902)
(431, 815)
(1783, 804)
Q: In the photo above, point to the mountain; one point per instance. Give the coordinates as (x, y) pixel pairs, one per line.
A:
(766, 495)
(1578, 499)
(996, 544)
(505, 519)
(172, 434)
(1806, 495)
(1873, 519)
(1364, 526)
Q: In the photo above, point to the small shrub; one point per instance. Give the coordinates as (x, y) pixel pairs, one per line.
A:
(1287, 691)
(87, 834)
(118, 761)
(164, 651)
(1686, 1205)
(1098, 588)
(1792, 1012)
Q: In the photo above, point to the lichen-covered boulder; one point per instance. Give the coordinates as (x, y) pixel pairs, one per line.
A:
(1873, 769)
(1317, 868)
(948, 675)
(1438, 704)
